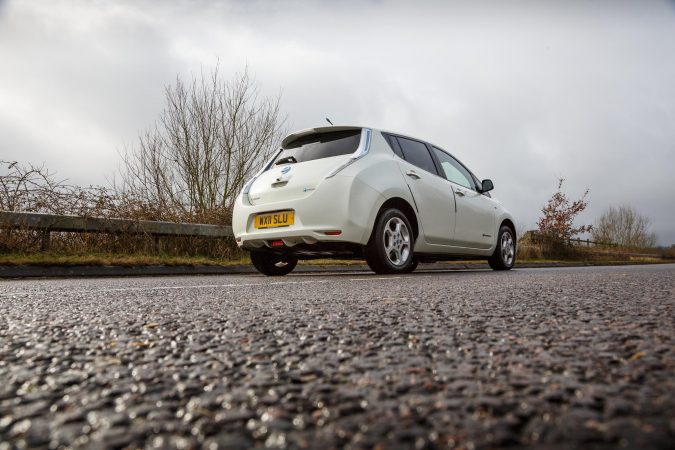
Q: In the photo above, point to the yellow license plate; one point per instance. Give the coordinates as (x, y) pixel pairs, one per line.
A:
(275, 219)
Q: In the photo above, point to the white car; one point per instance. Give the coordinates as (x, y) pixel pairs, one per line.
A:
(354, 192)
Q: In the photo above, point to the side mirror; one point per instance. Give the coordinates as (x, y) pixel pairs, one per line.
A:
(486, 186)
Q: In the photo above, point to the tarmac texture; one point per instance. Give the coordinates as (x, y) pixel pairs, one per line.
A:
(542, 358)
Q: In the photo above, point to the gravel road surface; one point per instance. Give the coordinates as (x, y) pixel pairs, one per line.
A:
(542, 358)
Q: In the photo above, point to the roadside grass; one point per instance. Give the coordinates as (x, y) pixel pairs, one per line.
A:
(107, 259)
(113, 259)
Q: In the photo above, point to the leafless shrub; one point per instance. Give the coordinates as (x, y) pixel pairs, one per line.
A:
(26, 187)
(31, 188)
(624, 226)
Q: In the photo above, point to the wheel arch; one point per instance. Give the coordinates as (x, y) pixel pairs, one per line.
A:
(405, 207)
(509, 223)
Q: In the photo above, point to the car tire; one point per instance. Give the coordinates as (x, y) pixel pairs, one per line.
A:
(504, 256)
(273, 264)
(390, 249)
(412, 266)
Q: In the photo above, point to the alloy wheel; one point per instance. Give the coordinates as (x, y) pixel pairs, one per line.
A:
(396, 238)
(508, 249)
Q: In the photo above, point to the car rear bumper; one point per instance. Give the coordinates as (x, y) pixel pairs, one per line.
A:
(340, 203)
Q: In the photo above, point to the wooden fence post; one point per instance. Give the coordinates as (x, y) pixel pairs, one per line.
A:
(45, 241)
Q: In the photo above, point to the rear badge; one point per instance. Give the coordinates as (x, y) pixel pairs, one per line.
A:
(286, 169)
(308, 189)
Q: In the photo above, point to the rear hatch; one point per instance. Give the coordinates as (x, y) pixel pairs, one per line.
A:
(305, 160)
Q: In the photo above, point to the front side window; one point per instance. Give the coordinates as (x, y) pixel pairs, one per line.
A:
(453, 170)
(416, 153)
(320, 145)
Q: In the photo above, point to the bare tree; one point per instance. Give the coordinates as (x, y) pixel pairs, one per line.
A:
(624, 226)
(557, 220)
(211, 137)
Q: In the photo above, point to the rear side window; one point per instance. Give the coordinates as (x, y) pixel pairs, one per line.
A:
(416, 153)
(393, 143)
(321, 145)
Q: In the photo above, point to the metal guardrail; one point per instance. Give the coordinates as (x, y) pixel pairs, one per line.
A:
(54, 222)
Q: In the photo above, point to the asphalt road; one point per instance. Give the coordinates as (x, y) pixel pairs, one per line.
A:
(548, 358)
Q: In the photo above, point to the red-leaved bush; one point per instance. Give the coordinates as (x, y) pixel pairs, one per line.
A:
(557, 220)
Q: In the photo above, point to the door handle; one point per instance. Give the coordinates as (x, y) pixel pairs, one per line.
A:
(460, 193)
(412, 174)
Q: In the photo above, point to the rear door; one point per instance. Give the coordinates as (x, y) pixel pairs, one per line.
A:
(432, 193)
(475, 221)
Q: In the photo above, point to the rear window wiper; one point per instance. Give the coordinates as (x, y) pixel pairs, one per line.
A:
(286, 160)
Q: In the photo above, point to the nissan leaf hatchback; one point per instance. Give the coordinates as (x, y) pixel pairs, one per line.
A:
(353, 192)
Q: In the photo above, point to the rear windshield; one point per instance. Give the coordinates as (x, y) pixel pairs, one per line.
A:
(317, 146)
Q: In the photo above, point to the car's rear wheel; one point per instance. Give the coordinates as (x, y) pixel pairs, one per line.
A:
(504, 256)
(273, 264)
(390, 249)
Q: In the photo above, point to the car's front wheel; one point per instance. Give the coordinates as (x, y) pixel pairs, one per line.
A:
(390, 249)
(273, 264)
(504, 256)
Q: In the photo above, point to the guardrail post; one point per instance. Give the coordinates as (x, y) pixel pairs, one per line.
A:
(45, 241)
(158, 244)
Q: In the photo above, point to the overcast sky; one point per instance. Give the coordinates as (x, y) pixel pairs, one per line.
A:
(523, 92)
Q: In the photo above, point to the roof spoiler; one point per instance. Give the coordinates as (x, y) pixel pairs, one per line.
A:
(309, 131)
